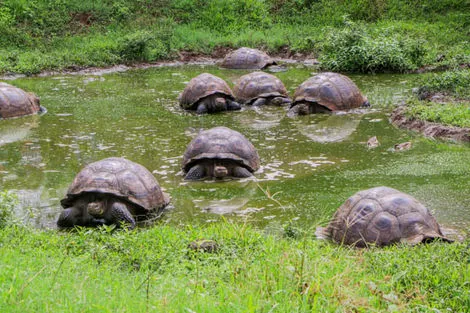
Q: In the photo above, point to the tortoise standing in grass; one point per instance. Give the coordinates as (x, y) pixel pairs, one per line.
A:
(382, 216)
(326, 92)
(260, 88)
(220, 152)
(15, 102)
(207, 93)
(112, 191)
(247, 58)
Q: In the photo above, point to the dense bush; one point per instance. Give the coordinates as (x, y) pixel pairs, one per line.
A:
(353, 49)
(453, 114)
(394, 35)
(455, 83)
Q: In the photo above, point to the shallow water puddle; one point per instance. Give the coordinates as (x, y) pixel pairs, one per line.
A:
(309, 165)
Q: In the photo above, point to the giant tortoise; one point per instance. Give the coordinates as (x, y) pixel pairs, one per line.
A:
(16, 102)
(247, 58)
(259, 88)
(382, 216)
(112, 191)
(326, 92)
(207, 93)
(220, 152)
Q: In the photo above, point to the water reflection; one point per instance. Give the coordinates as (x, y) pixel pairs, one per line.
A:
(324, 128)
(261, 118)
(312, 163)
(17, 129)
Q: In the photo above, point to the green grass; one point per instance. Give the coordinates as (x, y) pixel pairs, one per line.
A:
(452, 114)
(455, 87)
(348, 36)
(153, 270)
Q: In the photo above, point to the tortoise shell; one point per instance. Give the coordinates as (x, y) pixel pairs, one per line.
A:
(382, 216)
(221, 143)
(331, 90)
(203, 86)
(16, 102)
(120, 178)
(247, 58)
(255, 85)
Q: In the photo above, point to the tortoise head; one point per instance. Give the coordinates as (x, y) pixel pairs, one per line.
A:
(220, 171)
(96, 208)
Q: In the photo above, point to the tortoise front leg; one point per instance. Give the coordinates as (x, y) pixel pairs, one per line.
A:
(241, 172)
(298, 109)
(196, 172)
(233, 105)
(259, 102)
(119, 213)
(77, 216)
(201, 108)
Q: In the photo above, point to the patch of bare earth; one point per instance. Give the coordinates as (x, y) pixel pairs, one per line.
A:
(429, 129)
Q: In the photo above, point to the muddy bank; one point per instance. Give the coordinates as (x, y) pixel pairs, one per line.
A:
(429, 129)
(184, 58)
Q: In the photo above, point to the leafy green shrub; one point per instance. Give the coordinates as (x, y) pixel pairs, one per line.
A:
(148, 45)
(225, 16)
(134, 46)
(455, 83)
(453, 114)
(353, 49)
(8, 203)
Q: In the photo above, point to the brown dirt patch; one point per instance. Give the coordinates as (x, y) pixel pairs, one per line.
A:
(429, 129)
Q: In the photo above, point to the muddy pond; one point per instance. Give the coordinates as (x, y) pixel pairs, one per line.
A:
(309, 165)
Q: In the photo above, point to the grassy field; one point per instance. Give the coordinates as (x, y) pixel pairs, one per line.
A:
(367, 36)
(453, 87)
(287, 270)
(152, 270)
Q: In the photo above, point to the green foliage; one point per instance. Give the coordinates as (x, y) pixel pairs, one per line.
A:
(154, 270)
(452, 114)
(8, 203)
(455, 83)
(354, 49)
(357, 35)
(225, 16)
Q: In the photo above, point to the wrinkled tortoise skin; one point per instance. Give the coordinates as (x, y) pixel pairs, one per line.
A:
(382, 216)
(120, 178)
(15, 102)
(256, 85)
(202, 86)
(334, 91)
(221, 143)
(247, 58)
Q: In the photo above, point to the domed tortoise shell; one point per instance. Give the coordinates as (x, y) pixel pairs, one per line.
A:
(331, 90)
(120, 178)
(15, 102)
(256, 85)
(203, 86)
(382, 216)
(221, 143)
(247, 58)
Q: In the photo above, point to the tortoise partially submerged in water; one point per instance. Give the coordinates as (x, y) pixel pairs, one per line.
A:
(382, 216)
(207, 93)
(326, 92)
(259, 88)
(220, 152)
(16, 102)
(247, 58)
(112, 191)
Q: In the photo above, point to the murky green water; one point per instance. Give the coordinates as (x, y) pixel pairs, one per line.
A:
(310, 165)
